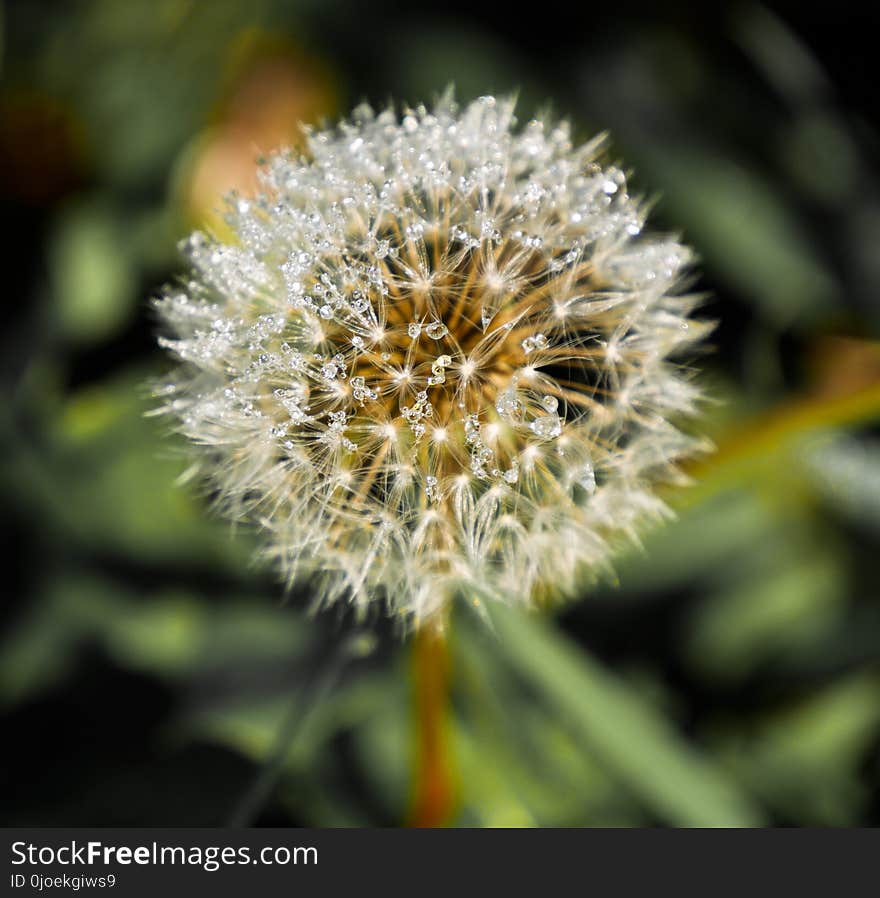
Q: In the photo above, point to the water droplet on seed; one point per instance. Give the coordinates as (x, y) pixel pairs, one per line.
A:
(587, 478)
(436, 330)
(547, 427)
(538, 341)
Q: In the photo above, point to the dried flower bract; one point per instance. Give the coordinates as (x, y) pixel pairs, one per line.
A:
(438, 360)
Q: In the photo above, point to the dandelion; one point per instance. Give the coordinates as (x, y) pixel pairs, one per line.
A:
(440, 359)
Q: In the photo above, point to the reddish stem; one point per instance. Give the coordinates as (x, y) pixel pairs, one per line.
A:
(434, 797)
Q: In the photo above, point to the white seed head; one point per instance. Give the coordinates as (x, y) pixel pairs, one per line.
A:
(437, 360)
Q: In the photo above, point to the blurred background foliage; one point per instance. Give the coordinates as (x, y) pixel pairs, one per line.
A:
(149, 671)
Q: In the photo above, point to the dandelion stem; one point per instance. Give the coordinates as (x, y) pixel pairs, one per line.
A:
(434, 794)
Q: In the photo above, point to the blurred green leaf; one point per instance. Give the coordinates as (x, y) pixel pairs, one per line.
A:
(846, 471)
(108, 479)
(520, 763)
(768, 614)
(636, 744)
(385, 743)
(744, 231)
(168, 635)
(697, 544)
(93, 279)
(804, 760)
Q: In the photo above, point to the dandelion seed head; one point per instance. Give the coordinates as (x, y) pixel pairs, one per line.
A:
(440, 358)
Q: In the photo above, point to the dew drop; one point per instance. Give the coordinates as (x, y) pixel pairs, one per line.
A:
(547, 427)
(587, 478)
(538, 341)
(508, 406)
(436, 330)
(359, 302)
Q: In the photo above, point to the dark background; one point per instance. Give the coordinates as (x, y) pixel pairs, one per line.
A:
(147, 667)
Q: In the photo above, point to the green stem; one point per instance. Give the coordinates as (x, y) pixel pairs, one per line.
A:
(304, 703)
